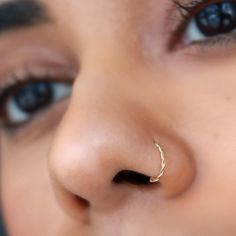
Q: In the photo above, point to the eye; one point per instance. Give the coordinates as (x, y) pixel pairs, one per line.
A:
(32, 98)
(212, 20)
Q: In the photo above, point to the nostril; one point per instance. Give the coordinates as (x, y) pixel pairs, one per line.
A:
(131, 177)
(80, 202)
(83, 202)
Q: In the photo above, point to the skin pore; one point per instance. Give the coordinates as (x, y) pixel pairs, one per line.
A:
(123, 73)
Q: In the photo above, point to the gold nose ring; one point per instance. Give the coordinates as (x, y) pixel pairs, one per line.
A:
(156, 179)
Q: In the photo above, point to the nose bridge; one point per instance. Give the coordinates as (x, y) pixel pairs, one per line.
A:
(108, 97)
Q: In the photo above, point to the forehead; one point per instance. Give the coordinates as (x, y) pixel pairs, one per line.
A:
(107, 15)
(94, 9)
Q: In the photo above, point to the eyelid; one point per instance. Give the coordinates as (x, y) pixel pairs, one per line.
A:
(22, 74)
(192, 6)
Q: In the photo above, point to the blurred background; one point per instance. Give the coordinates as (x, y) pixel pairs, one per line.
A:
(2, 232)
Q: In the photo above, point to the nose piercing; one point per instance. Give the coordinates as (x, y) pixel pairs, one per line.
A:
(155, 179)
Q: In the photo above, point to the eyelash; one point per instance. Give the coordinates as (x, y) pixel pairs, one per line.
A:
(186, 13)
(17, 83)
(14, 84)
(189, 7)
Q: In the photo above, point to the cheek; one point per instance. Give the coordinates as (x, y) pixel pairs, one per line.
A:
(20, 215)
(28, 201)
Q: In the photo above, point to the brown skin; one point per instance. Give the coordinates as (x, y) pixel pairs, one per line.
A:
(129, 90)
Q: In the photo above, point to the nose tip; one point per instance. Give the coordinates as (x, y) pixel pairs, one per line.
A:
(95, 167)
(103, 171)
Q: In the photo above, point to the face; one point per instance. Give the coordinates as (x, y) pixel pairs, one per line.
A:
(87, 87)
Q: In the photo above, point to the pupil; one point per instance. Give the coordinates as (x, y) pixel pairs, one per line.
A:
(34, 96)
(218, 18)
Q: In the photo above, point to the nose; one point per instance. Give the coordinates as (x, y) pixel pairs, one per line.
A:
(103, 152)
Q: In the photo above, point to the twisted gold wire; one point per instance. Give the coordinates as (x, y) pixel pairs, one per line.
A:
(155, 179)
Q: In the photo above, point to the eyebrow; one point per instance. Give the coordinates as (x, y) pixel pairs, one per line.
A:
(17, 14)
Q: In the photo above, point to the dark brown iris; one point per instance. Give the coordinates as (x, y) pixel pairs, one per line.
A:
(218, 18)
(34, 96)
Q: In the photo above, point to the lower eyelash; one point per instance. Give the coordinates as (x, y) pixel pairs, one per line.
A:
(220, 40)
